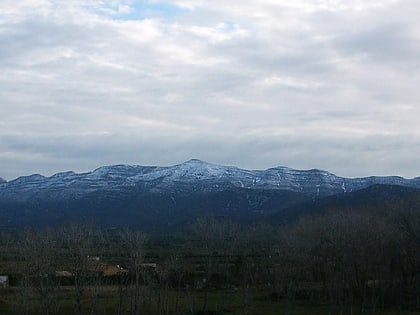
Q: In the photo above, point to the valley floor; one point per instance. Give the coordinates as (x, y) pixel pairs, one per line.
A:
(105, 300)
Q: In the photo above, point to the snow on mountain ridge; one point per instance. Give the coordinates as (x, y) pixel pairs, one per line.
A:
(194, 175)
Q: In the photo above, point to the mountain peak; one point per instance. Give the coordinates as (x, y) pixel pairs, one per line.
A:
(195, 162)
(33, 177)
(199, 164)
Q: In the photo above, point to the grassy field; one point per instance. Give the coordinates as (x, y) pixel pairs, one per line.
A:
(173, 302)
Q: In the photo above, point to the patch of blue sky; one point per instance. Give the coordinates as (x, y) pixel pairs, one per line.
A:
(228, 26)
(166, 10)
(145, 9)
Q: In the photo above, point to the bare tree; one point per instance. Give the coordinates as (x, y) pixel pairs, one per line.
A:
(218, 238)
(38, 252)
(409, 225)
(133, 245)
(77, 244)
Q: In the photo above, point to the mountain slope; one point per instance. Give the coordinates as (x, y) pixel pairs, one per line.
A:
(377, 199)
(153, 196)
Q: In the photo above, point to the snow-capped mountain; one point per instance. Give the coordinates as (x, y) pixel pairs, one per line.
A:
(193, 175)
(143, 192)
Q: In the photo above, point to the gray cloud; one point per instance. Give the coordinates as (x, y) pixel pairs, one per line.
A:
(331, 85)
(346, 157)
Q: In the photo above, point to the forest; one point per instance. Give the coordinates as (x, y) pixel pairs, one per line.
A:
(338, 262)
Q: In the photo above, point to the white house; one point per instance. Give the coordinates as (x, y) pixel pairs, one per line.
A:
(4, 281)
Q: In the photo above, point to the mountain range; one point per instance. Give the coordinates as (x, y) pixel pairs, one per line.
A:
(157, 198)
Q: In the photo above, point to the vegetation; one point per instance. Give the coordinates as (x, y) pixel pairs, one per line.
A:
(344, 262)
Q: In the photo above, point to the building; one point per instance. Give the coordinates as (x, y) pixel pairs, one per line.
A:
(4, 281)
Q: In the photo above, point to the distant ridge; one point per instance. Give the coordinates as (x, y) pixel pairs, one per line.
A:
(156, 196)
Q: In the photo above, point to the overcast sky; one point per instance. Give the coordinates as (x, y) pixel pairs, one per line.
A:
(329, 84)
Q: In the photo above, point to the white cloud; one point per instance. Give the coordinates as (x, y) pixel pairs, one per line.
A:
(261, 81)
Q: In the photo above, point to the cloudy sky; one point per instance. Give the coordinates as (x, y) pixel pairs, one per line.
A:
(330, 84)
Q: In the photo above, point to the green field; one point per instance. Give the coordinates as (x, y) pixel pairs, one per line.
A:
(183, 302)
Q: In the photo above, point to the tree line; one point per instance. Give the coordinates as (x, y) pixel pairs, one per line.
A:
(352, 261)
